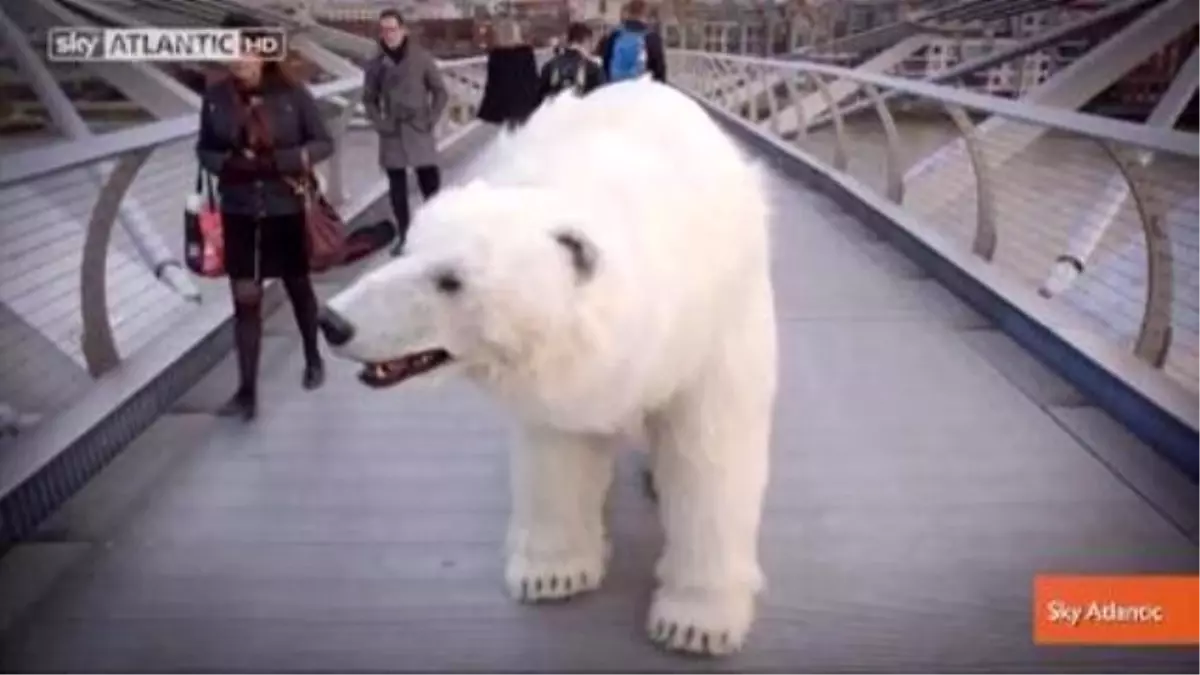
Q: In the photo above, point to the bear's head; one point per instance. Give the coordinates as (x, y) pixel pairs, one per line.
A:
(502, 283)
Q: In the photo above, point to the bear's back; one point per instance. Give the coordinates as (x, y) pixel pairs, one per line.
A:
(669, 185)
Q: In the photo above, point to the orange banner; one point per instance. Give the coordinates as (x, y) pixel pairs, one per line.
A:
(1116, 610)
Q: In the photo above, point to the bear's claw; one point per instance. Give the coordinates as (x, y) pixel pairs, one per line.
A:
(707, 626)
(688, 639)
(528, 582)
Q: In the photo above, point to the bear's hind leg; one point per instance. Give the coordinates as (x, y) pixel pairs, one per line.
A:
(557, 545)
(710, 476)
(711, 450)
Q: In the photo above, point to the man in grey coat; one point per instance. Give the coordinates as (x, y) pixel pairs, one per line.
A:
(404, 96)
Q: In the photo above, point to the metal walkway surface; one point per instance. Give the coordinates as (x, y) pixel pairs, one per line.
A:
(924, 470)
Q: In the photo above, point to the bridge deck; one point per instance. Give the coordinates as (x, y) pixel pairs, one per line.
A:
(924, 470)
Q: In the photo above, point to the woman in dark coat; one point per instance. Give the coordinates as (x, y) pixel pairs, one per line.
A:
(260, 132)
(511, 93)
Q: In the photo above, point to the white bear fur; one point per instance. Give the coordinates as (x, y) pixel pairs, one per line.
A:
(674, 333)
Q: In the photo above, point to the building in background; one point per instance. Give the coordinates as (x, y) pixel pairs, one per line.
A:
(1137, 93)
(540, 20)
(413, 10)
(606, 12)
(448, 28)
(452, 28)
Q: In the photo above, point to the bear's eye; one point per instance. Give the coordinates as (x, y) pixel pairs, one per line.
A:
(448, 283)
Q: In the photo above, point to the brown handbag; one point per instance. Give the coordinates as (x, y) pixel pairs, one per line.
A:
(325, 233)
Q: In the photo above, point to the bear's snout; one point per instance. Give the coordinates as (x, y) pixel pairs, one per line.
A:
(336, 328)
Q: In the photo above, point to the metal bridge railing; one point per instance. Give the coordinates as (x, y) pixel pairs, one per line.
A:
(74, 299)
(1097, 216)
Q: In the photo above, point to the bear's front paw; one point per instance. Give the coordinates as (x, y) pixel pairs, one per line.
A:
(701, 622)
(534, 579)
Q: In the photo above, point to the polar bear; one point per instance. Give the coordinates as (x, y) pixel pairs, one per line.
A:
(606, 273)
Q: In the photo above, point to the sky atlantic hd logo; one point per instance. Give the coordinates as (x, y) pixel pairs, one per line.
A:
(75, 44)
(71, 44)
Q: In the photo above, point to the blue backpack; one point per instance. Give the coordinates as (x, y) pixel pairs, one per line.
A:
(628, 55)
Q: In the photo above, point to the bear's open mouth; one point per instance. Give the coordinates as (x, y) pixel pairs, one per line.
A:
(389, 373)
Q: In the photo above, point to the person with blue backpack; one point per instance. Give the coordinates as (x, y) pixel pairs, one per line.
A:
(634, 49)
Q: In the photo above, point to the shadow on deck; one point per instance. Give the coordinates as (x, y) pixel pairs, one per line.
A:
(925, 468)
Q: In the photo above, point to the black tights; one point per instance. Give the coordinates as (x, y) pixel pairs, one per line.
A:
(429, 181)
(248, 325)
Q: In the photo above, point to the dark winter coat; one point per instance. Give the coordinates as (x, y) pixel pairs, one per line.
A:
(568, 70)
(256, 186)
(405, 96)
(511, 91)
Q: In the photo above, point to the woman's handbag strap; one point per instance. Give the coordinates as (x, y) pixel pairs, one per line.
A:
(205, 187)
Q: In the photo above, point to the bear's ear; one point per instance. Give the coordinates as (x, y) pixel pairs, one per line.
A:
(582, 252)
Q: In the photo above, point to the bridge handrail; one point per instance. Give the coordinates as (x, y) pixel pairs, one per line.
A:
(1086, 226)
(27, 165)
(1159, 140)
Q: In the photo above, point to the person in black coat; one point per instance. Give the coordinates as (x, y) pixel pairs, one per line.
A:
(260, 134)
(511, 93)
(573, 68)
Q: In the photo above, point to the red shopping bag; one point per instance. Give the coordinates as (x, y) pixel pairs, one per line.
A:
(203, 239)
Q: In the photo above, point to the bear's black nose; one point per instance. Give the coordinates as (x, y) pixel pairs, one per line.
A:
(338, 331)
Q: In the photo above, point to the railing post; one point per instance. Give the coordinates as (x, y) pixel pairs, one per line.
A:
(695, 71)
(1154, 335)
(895, 178)
(747, 82)
(840, 156)
(984, 244)
(335, 190)
(773, 110)
(721, 87)
(795, 98)
(454, 87)
(712, 75)
(98, 345)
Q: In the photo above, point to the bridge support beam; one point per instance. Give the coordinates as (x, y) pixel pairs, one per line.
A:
(1070, 88)
(154, 252)
(150, 88)
(99, 346)
(1087, 237)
